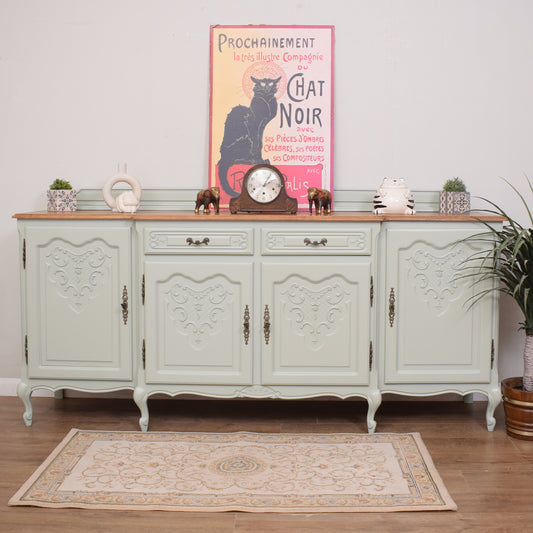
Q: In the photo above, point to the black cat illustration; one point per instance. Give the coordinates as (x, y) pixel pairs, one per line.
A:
(244, 128)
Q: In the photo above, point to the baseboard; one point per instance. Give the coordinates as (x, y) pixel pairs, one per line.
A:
(8, 387)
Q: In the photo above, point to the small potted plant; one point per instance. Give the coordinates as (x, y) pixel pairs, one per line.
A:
(61, 196)
(510, 264)
(453, 198)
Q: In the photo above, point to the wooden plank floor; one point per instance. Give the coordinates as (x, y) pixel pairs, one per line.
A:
(489, 475)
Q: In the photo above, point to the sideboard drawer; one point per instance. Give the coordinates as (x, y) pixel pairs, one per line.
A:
(195, 241)
(317, 242)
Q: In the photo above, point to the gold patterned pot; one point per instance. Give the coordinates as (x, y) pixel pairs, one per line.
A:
(518, 407)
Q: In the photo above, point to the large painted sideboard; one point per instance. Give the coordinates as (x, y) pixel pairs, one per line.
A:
(253, 306)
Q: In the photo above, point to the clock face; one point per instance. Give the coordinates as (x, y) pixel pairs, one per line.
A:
(263, 191)
(264, 185)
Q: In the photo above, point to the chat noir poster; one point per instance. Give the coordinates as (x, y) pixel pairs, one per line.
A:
(271, 102)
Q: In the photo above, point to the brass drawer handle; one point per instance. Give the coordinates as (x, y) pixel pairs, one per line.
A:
(246, 325)
(267, 324)
(308, 242)
(124, 305)
(392, 307)
(197, 243)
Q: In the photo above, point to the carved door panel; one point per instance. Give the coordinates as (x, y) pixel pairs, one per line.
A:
(319, 316)
(194, 321)
(77, 278)
(432, 334)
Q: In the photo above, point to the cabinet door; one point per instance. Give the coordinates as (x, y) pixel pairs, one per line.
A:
(194, 321)
(76, 279)
(432, 333)
(319, 316)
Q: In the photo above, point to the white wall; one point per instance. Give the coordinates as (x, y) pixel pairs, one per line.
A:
(425, 90)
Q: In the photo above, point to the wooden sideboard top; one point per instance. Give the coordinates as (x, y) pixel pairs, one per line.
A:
(301, 216)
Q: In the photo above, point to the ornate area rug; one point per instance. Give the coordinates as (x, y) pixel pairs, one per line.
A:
(256, 472)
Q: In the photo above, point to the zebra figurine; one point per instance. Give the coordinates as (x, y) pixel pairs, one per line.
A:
(393, 197)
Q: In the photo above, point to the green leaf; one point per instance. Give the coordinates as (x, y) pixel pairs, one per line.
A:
(508, 262)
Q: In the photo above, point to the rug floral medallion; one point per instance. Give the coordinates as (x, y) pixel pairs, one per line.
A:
(256, 472)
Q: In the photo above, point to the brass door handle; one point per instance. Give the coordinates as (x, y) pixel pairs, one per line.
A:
(124, 305)
(309, 242)
(392, 307)
(197, 243)
(246, 325)
(266, 325)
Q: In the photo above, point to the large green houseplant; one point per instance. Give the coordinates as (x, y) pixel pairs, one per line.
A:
(510, 264)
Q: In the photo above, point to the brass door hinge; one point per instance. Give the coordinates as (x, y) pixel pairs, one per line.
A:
(142, 289)
(371, 291)
(266, 325)
(24, 254)
(392, 307)
(371, 357)
(492, 355)
(144, 354)
(125, 305)
(26, 349)
(246, 325)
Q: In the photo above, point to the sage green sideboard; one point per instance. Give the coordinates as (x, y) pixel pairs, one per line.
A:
(253, 306)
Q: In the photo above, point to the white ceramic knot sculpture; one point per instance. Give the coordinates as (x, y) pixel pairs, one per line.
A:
(394, 197)
(127, 201)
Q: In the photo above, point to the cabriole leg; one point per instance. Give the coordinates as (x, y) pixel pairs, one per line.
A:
(24, 393)
(494, 397)
(141, 399)
(374, 401)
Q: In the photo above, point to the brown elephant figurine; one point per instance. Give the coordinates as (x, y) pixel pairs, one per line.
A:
(321, 198)
(206, 197)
